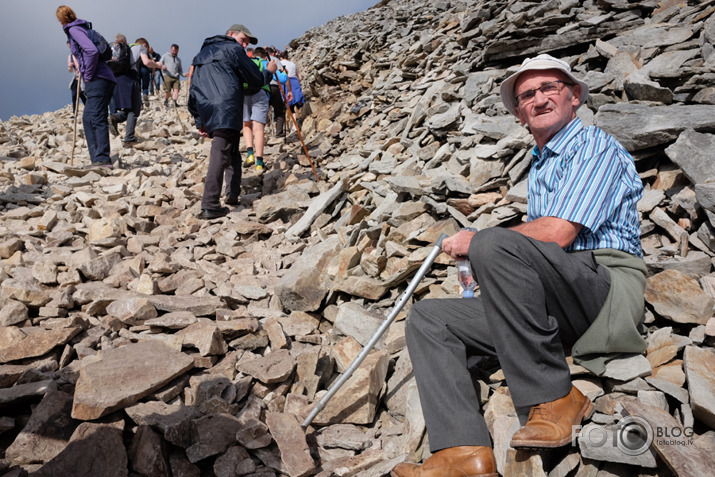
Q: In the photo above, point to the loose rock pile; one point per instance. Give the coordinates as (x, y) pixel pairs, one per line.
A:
(136, 339)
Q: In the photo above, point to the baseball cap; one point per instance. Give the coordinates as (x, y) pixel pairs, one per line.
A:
(238, 27)
(541, 62)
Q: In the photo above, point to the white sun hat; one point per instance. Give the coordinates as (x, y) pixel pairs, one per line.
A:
(541, 62)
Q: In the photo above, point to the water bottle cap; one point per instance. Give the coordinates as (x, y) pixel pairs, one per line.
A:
(468, 294)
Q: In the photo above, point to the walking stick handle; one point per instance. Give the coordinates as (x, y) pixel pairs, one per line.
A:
(320, 405)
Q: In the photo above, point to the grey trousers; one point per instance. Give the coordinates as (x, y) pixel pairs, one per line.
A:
(535, 301)
(224, 162)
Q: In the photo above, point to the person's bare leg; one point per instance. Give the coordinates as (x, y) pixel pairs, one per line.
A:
(248, 139)
(259, 137)
(248, 133)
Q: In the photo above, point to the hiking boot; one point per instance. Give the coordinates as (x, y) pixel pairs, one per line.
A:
(462, 461)
(113, 125)
(250, 160)
(166, 103)
(209, 214)
(231, 200)
(95, 165)
(550, 424)
(260, 168)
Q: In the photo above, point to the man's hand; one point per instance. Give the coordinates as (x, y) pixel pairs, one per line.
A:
(289, 96)
(458, 244)
(272, 67)
(203, 132)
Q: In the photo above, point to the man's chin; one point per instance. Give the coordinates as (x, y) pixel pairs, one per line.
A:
(543, 121)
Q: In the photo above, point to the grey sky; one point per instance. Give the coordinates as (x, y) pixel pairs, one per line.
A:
(34, 51)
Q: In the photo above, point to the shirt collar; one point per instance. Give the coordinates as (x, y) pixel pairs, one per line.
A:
(558, 143)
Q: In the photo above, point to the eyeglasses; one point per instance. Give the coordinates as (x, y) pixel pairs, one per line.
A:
(552, 88)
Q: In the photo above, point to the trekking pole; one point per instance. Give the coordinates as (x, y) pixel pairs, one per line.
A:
(76, 111)
(178, 118)
(285, 100)
(320, 405)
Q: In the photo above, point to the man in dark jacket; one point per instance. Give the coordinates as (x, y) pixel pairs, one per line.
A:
(216, 102)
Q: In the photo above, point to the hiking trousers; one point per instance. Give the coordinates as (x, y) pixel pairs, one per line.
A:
(535, 300)
(224, 163)
(94, 119)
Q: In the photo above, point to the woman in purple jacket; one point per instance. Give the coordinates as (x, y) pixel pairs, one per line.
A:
(98, 86)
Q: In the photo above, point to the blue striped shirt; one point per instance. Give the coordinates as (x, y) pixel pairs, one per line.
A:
(585, 176)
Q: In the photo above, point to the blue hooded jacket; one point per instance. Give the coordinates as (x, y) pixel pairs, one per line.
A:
(216, 94)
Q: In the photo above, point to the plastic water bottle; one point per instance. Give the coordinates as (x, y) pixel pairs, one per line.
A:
(466, 280)
(464, 273)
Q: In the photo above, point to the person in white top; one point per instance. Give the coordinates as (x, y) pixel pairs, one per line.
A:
(276, 100)
(294, 79)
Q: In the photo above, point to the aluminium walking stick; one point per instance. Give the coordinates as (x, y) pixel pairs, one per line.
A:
(320, 405)
(285, 100)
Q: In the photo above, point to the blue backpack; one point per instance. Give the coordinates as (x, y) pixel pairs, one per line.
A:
(105, 51)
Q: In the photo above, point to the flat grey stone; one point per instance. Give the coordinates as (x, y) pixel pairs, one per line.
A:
(120, 377)
(701, 383)
(628, 368)
(638, 126)
(689, 152)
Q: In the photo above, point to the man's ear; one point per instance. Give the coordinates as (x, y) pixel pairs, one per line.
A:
(576, 96)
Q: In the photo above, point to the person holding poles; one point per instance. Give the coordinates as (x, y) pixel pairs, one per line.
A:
(98, 85)
(295, 79)
(255, 115)
(570, 278)
(277, 102)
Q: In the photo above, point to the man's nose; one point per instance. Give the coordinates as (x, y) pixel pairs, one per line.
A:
(540, 98)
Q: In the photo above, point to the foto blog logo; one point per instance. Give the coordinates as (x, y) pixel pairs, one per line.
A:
(632, 435)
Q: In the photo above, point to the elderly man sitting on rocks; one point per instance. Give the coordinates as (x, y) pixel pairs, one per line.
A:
(570, 278)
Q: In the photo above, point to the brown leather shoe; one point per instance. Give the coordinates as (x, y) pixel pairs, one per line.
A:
(550, 424)
(463, 461)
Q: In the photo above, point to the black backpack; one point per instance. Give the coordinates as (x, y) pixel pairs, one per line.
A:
(120, 61)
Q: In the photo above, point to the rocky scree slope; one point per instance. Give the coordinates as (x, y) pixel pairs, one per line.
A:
(137, 339)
